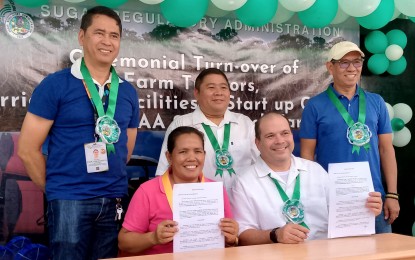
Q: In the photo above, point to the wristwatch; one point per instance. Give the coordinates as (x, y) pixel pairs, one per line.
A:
(273, 235)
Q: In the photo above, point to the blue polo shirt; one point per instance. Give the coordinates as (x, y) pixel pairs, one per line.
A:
(321, 121)
(61, 97)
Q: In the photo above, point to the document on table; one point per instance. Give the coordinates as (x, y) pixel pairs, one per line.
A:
(198, 208)
(350, 184)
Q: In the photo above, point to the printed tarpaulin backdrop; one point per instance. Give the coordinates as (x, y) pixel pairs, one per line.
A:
(273, 67)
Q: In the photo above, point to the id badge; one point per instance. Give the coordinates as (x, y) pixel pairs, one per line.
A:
(96, 157)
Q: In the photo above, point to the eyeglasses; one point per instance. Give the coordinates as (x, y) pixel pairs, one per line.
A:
(344, 64)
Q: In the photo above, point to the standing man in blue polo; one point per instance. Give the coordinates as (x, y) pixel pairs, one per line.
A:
(83, 108)
(347, 124)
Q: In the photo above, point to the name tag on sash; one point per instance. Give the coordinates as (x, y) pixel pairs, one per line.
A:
(96, 157)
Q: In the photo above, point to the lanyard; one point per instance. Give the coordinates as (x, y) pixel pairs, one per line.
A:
(168, 188)
(218, 150)
(346, 116)
(94, 95)
(213, 139)
(95, 98)
(284, 196)
(103, 99)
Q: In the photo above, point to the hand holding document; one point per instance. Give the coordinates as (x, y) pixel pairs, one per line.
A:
(198, 208)
(350, 184)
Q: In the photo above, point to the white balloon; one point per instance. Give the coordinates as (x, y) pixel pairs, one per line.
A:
(340, 17)
(229, 5)
(152, 2)
(394, 52)
(402, 137)
(75, 1)
(214, 11)
(358, 8)
(396, 13)
(282, 15)
(403, 111)
(390, 110)
(297, 5)
(407, 7)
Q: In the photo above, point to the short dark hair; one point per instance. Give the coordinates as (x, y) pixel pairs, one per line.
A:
(171, 140)
(258, 123)
(87, 17)
(206, 72)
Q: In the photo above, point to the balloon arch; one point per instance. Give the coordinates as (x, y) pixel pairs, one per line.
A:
(386, 50)
(371, 14)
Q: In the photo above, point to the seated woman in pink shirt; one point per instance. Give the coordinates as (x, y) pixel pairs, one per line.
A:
(148, 227)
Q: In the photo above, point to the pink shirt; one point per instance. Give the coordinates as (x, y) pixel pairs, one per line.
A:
(149, 207)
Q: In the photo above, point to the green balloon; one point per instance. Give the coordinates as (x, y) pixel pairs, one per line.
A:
(111, 3)
(257, 12)
(397, 67)
(378, 63)
(397, 37)
(184, 13)
(376, 42)
(380, 17)
(320, 14)
(397, 124)
(31, 3)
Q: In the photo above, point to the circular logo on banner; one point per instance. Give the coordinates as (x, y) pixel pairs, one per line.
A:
(7, 8)
(19, 25)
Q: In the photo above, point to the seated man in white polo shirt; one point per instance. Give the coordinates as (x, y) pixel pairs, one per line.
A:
(281, 188)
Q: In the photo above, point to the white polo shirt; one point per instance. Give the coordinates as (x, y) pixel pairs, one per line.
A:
(241, 143)
(257, 204)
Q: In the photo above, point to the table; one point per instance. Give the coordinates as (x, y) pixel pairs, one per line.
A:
(381, 246)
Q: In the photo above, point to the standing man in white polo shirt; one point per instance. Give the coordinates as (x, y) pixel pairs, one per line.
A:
(229, 136)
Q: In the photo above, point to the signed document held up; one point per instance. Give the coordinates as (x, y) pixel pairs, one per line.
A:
(198, 208)
(350, 184)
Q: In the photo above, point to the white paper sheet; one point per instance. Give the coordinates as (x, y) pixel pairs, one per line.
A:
(350, 184)
(198, 208)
